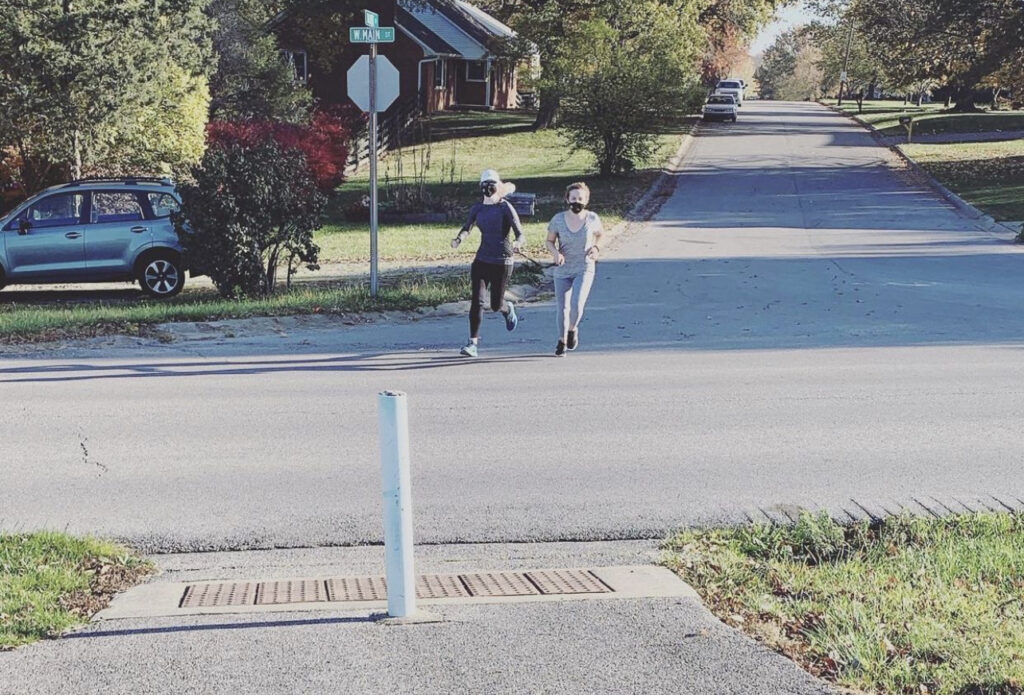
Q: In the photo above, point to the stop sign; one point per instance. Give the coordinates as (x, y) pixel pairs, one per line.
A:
(359, 83)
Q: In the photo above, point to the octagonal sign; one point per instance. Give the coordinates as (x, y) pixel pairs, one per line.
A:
(359, 83)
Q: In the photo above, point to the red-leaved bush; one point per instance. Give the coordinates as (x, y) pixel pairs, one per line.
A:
(324, 141)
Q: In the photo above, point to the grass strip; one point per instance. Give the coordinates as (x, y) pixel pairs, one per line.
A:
(989, 175)
(51, 582)
(20, 323)
(909, 605)
(931, 119)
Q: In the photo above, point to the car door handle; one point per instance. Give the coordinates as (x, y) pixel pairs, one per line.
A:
(139, 230)
(73, 235)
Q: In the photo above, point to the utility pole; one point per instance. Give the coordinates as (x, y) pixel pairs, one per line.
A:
(846, 65)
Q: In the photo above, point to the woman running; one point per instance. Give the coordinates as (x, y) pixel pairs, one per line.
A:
(572, 240)
(492, 267)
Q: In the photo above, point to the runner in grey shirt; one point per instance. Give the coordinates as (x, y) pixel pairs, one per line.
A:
(573, 238)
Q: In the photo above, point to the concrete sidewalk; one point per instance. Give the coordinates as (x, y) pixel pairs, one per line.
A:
(625, 646)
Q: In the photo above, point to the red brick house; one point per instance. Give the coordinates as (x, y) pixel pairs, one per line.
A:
(446, 51)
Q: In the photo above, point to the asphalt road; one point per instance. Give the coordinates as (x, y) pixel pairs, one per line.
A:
(801, 325)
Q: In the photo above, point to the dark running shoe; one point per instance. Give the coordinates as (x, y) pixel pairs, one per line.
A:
(574, 340)
(560, 349)
(511, 318)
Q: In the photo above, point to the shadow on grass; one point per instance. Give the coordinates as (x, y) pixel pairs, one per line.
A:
(995, 185)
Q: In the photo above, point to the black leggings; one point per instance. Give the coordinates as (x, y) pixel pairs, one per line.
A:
(481, 276)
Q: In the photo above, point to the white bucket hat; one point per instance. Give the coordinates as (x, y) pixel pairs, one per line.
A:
(504, 188)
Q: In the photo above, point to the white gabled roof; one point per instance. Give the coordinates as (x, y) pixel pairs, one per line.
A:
(487, 20)
(447, 30)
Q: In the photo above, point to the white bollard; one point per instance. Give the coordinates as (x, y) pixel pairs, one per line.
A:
(397, 500)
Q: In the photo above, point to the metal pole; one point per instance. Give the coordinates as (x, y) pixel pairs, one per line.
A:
(373, 169)
(846, 65)
(397, 502)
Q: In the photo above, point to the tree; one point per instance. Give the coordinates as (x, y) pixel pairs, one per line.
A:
(726, 28)
(546, 25)
(730, 25)
(77, 74)
(639, 62)
(778, 62)
(844, 46)
(955, 43)
(805, 82)
(250, 209)
(252, 81)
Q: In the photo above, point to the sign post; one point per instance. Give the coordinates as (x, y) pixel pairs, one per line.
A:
(908, 124)
(365, 88)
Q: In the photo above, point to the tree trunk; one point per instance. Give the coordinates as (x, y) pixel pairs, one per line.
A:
(77, 147)
(547, 114)
(964, 98)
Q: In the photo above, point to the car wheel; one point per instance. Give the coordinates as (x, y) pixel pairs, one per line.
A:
(161, 276)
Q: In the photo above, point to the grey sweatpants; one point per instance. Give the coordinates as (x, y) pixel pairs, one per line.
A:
(571, 296)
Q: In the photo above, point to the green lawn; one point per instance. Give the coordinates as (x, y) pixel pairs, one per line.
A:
(989, 175)
(911, 605)
(462, 145)
(931, 119)
(51, 582)
(26, 322)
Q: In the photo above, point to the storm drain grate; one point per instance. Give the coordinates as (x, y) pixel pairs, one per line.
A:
(222, 594)
(291, 591)
(357, 589)
(428, 586)
(567, 582)
(499, 584)
(441, 586)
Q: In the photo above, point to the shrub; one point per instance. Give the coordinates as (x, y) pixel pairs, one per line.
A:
(324, 142)
(250, 209)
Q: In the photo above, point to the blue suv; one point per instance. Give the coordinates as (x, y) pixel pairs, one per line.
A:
(96, 230)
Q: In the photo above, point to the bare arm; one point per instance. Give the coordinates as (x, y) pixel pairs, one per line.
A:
(552, 243)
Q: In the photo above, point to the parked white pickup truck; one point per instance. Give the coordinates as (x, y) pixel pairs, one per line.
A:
(733, 88)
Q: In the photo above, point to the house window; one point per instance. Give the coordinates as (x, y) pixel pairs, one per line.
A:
(299, 63)
(441, 74)
(476, 71)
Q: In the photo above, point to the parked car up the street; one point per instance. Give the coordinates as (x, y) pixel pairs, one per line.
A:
(95, 230)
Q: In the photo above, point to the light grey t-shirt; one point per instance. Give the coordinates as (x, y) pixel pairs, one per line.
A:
(574, 245)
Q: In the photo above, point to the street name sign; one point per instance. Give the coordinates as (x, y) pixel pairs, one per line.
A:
(371, 34)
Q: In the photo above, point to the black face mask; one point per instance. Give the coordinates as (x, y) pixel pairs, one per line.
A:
(489, 188)
(577, 207)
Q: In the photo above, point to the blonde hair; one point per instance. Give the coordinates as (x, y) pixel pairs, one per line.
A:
(578, 186)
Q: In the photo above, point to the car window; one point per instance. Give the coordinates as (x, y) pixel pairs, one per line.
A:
(163, 204)
(58, 210)
(721, 100)
(116, 206)
(729, 85)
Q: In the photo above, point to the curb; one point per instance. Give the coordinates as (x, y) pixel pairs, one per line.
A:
(985, 222)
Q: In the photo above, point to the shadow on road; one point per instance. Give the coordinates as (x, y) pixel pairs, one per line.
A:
(369, 362)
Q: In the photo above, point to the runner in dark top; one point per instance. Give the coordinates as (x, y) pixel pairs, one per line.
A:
(492, 268)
